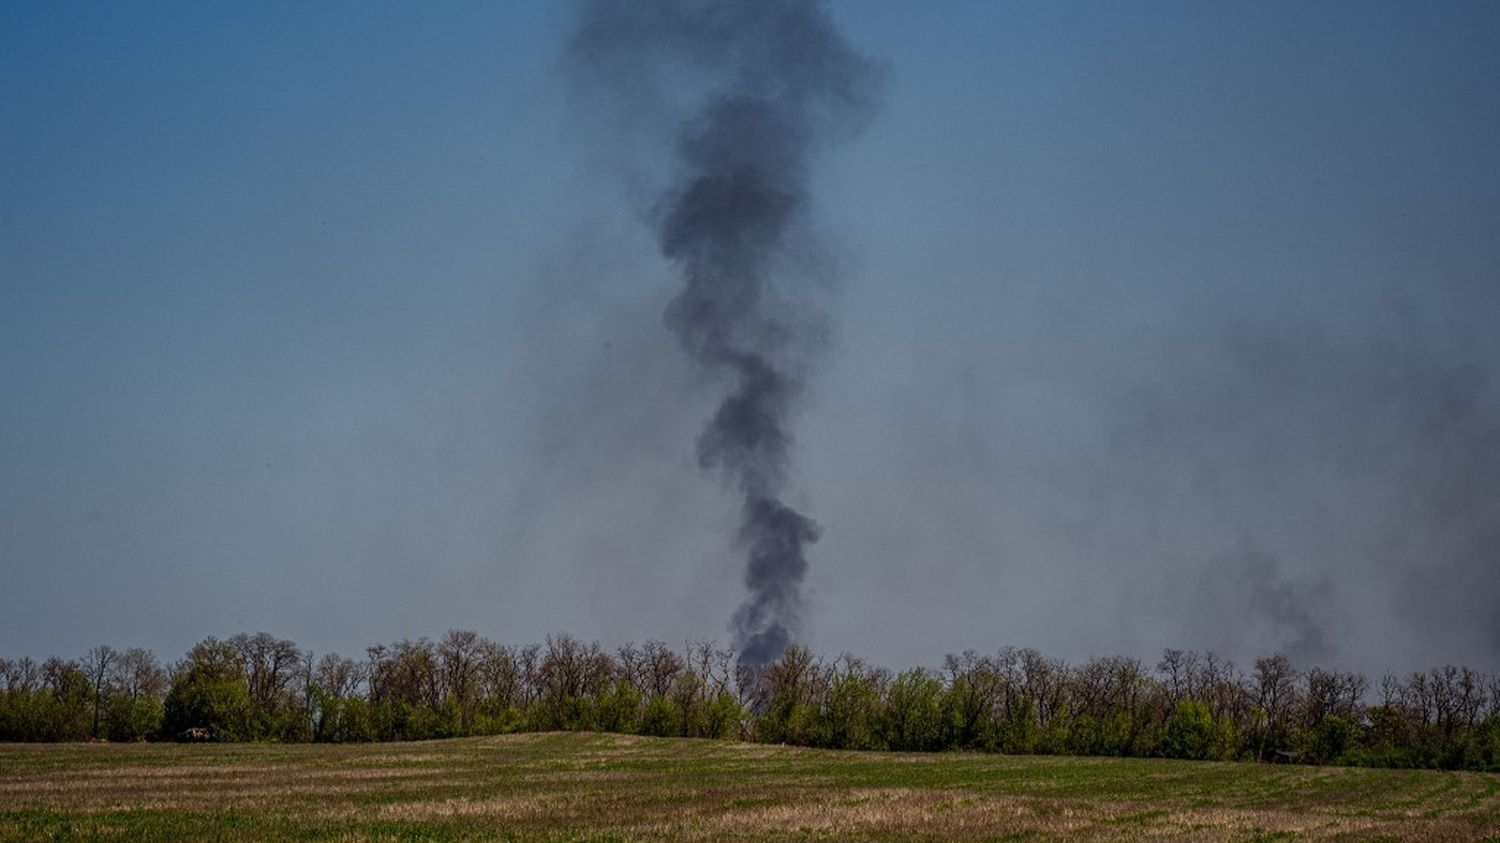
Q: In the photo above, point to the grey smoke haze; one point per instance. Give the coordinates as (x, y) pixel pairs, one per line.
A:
(1359, 460)
(1155, 325)
(778, 80)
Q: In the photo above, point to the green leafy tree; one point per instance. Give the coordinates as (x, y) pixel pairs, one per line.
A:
(852, 712)
(661, 717)
(1190, 732)
(913, 717)
(209, 692)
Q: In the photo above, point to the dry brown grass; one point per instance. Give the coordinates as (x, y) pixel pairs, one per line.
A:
(587, 786)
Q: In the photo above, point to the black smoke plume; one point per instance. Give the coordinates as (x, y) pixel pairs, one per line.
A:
(768, 83)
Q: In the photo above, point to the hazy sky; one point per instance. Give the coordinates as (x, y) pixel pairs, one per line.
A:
(1152, 325)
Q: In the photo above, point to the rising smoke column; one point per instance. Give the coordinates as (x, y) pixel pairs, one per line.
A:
(770, 82)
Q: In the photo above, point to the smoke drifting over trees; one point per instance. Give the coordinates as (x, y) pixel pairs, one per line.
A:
(779, 81)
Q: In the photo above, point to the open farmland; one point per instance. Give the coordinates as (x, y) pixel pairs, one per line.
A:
(588, 786)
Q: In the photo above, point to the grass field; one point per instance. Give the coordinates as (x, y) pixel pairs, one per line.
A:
(602, 787)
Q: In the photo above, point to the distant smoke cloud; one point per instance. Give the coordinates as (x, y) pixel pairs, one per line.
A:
(769, 82)
(1280, 615)
(1331, 469)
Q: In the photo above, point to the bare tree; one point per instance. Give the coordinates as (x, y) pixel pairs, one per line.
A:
(270, 666)
(661, 668)
(21, 675)
(973, 690)
(337, 675)
(632, 665)
(1176, 668)
(531, 673)
(1332, 694)
(98, 664)
(499, 677)
(139, 675)
(458, 656)
(1275, 683)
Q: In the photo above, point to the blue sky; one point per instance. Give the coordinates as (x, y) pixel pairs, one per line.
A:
(1155, 324)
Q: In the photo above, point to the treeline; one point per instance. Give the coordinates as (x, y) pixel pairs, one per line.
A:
(1189, 705)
